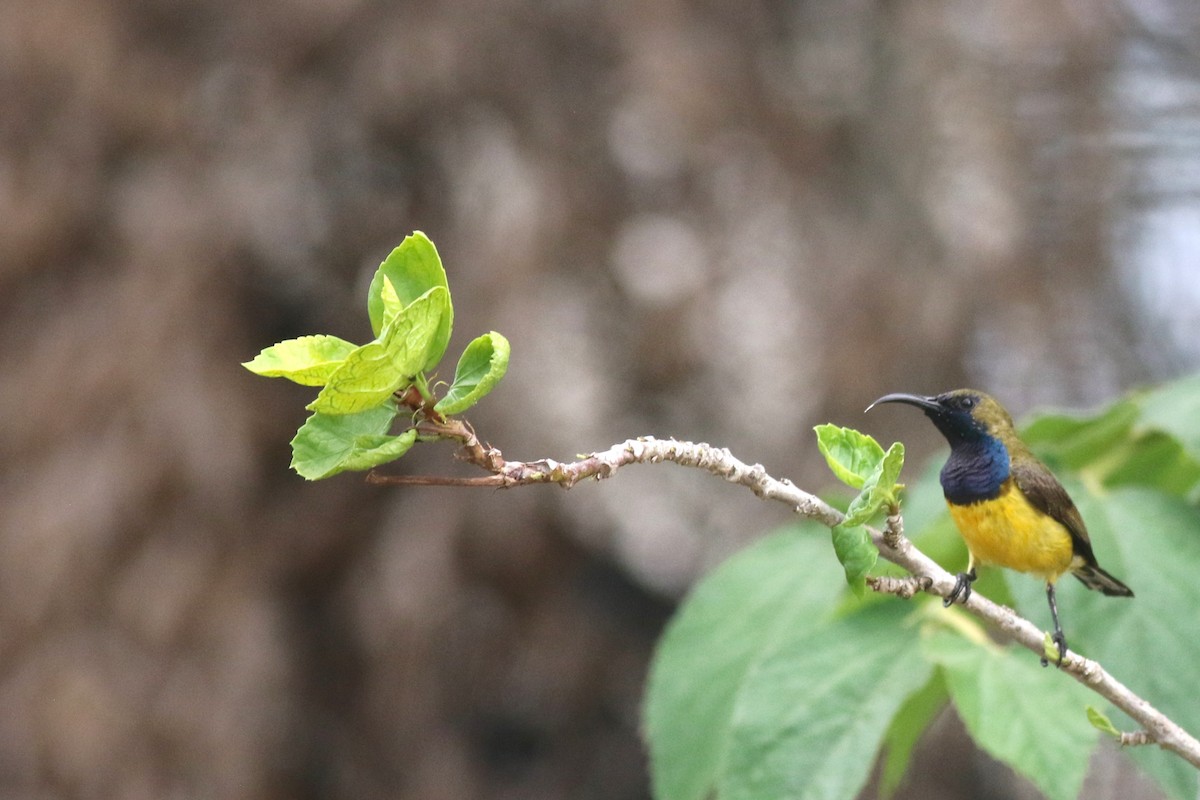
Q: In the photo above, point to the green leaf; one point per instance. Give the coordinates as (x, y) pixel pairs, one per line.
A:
(393, 306)
(864, 506)
(889, 470)
(815, 709)
(856, 552)
(910, 722)
(1030, 718)
(852, 456)
(371, 451)
(879, 490)
(1101, 722)
(1073, 440)
(413, 268)
(1147, 439)
(480, 368)
(1154, 459)
(760, 690)
(309, 360)
(851, 542)
(1175, 409)
(784, 585)
(328, 444)
(371, 373)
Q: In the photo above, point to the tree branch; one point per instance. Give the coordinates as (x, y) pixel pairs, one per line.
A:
(927, 575)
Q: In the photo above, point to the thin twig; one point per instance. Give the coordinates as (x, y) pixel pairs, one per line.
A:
(894, 546)
(380, 479)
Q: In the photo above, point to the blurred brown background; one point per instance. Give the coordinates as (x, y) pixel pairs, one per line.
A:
(715, 220)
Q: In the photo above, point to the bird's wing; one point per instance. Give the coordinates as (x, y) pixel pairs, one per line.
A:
(1038, 484)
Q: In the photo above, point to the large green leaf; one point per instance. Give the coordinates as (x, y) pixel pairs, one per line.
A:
(413, 268)
(309, 360)
(1154, 459)
(1075, 440)
(908, 725)
(759, 690)
(1032, 719)
(371, 373)
(328, 444)
(786, 584)
(1175, 409)
(1147, 439)
(813, 712)
(480, 368)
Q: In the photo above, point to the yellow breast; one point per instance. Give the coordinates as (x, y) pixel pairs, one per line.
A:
(1010, 532)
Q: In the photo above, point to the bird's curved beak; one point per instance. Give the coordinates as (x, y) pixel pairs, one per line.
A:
(923, 403)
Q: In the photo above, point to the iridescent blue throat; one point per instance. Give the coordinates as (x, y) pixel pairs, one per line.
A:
(975, 470)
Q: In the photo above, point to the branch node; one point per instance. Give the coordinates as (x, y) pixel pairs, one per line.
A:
(1137, 739)
(894, 530)
(904, 587)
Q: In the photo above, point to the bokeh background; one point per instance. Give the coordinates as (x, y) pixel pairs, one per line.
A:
(710, 219)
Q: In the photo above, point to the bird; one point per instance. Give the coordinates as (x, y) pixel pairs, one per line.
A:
(1009, 508)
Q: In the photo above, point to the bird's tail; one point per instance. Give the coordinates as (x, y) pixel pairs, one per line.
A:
(1098, 580)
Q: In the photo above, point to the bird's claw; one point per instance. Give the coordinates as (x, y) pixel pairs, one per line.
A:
(962, 588)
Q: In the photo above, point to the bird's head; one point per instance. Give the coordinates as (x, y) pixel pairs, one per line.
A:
(963, 415)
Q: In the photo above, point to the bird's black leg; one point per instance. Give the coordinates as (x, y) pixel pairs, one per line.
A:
(962, 588)
(1060, 641)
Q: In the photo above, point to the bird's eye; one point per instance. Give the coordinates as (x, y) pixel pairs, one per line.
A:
(966, 403)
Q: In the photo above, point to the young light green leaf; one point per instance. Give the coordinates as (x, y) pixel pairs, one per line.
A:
(328, 444)
(371, 451)
(1101, 722)
(1025, 716)
(371, 373)
(851, 542)
(862, 507)
(879, 490)
(366, 379)
(889, 469)
(309, 360)
(480, 368)
(856, 552)
(392, 304)
(852, 456)
(414, 268)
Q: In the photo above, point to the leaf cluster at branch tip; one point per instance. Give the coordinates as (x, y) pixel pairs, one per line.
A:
(858, 461)
(412, 317)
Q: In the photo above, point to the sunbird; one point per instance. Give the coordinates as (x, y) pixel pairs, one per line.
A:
(1010, 509)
